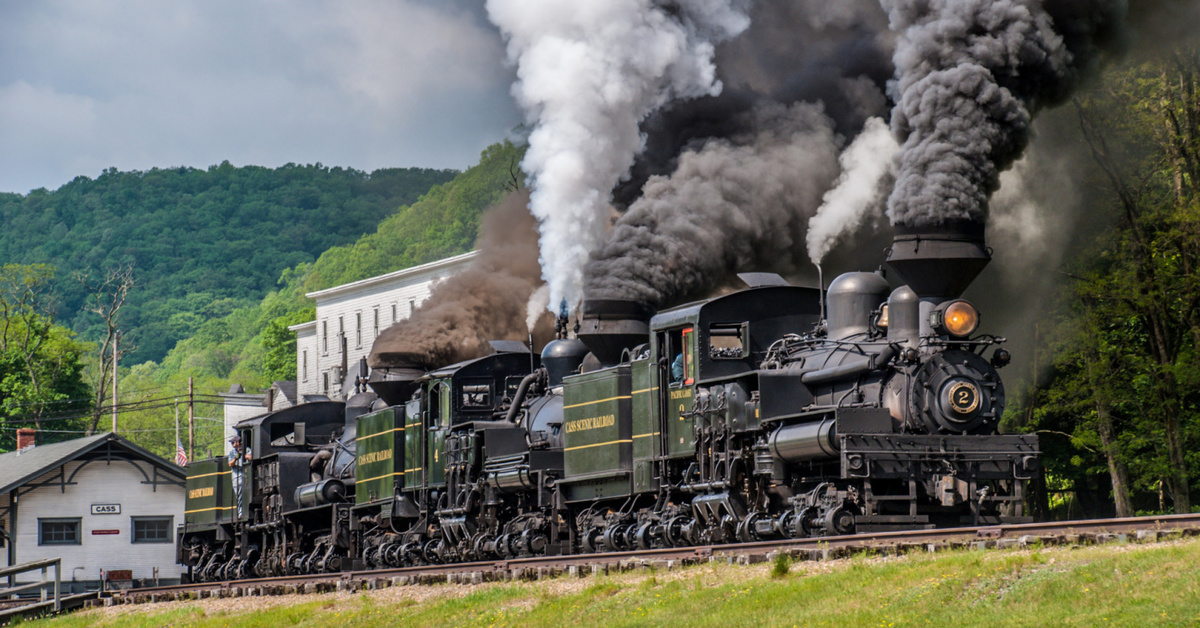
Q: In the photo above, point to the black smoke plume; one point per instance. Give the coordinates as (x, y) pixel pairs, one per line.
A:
(487, 301)
(731, 205)
(971, 76)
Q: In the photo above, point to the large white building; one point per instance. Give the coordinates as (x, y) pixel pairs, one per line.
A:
(358, 312)
(100, 503)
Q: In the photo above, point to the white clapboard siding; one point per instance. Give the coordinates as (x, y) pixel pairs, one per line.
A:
(115, 482)
(351, 309)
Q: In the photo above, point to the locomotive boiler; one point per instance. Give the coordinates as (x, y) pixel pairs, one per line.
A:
(776, 411)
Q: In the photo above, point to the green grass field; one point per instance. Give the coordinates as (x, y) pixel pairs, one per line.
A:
(1117, 585)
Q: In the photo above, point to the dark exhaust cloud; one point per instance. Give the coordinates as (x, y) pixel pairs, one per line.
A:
(734, 204)
(484, 302)
(971, 76)
(815, 51)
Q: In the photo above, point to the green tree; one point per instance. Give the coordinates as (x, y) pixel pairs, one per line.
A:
(1127, 380)
(41, 370)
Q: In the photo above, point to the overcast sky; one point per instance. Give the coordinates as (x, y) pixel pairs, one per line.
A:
(87, 85)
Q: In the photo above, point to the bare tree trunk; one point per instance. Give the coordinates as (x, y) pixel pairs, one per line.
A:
(106, 297)
(1116, 464)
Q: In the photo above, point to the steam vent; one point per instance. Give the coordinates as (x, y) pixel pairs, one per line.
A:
(609, 326)
(939, 261)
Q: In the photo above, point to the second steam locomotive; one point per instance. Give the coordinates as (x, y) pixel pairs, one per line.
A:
(771, 412)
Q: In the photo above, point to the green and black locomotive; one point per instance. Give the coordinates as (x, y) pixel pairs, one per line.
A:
(771, 412)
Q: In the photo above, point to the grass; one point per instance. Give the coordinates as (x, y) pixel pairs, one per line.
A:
(1130, 585)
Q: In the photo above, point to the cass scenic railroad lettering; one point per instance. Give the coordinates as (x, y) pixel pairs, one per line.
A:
(375, 456)
(591, 423)
(200, 492)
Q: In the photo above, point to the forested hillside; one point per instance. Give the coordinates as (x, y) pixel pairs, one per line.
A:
(1118, 403)
(250, 344)
(201, 243)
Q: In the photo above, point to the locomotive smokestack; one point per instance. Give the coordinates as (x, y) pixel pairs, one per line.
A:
(610, 326)
(939, 260)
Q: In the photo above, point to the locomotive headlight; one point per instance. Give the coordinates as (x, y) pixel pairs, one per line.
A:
(956, 318)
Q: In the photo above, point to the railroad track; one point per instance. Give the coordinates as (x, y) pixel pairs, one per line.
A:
(1058, 532)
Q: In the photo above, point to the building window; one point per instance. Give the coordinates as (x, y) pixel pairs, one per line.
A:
(325, 337)
(152, 529)
(412, 305)
(304, 364)
(58, 531)
(358, 329)
(376, 334)
(325, 383)
(394, 319)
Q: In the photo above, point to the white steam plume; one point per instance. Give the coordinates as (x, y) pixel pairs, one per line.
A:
(865, 164)
(539, 302)
(588, 72)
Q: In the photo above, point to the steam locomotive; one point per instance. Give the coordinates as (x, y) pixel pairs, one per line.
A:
(772, 412)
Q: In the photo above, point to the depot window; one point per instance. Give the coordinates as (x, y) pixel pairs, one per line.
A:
(58, 531)
(152, 529)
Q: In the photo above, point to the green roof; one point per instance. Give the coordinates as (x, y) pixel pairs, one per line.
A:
(20, 467)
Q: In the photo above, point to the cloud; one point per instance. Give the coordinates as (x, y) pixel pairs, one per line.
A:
(138, 84)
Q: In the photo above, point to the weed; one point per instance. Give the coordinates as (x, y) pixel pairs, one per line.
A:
(783, 564)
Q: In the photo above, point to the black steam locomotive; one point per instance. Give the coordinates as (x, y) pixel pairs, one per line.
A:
(772, 412)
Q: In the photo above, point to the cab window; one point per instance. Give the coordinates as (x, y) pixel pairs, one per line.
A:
(679, 347)
(689, 356)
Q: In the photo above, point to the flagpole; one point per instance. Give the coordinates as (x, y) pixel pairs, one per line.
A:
(177, 421)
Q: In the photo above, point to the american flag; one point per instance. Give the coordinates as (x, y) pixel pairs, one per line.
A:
(180, 454)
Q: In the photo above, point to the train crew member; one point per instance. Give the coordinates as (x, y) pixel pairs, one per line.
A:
(239, 459)
(677, 369)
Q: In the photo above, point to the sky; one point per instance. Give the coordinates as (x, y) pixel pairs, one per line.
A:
(137, 84)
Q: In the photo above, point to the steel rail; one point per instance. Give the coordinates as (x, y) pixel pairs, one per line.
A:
(866, 540)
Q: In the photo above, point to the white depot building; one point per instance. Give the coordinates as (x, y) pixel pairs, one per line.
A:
(357, 312)
(105, 506)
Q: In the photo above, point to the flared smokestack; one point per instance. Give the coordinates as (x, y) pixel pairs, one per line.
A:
(939, 260)
(610, 326)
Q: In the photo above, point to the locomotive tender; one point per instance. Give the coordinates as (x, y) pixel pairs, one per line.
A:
(752, 415)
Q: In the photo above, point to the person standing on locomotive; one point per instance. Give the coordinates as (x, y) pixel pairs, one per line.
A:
(239, 459)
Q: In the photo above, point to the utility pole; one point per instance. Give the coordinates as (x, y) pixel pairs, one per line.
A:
(116, 338)
(191, 421)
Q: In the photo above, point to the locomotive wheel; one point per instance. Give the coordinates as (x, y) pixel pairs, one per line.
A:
(293, 565)
(785, 525)
(745, 528)
(839, 521)
(432, 552)
(590, 541)
(647, 535)
(675, 532)
(805, 521)
(481, 545)
(411, 553)
(614, 539)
